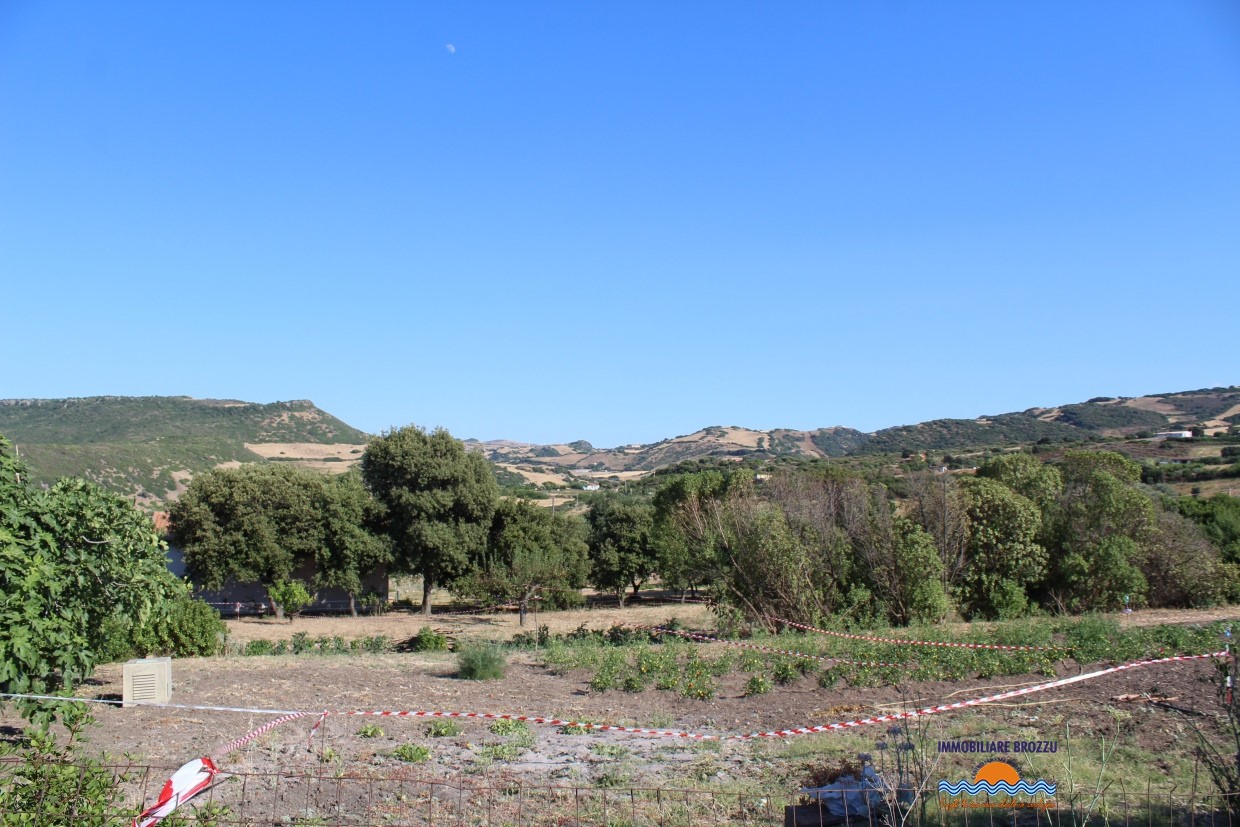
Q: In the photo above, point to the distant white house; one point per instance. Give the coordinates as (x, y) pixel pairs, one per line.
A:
(1173, 435)
(591, 487)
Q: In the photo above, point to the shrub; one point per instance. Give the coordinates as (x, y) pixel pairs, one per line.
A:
(443, 728)
(412, 753)
(51, 785)
(481, 663)
(758, 685)
(291, 596)
(428, 640)
(300, 644)
(186, 628)
(257, 647)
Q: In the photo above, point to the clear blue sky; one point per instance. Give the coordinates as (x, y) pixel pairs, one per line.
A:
(620, 221)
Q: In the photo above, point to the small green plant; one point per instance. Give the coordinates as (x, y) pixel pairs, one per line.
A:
(300, 644)
(257, 647)
(280, 647)
(290, 596)
(758, 685)
(370, 731)
(412, 753)
(481, 663)
(500, 752)
(575, 728)
(507, 726)
(428, 640)
(443, 728)
(328, 756)
(785, 671)
(612, 751)
(375, 645)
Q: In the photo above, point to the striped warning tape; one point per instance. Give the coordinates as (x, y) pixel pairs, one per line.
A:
(903, 642)
(289, 715)
(758, 648)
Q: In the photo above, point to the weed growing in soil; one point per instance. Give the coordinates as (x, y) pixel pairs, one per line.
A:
(481, 663)
(370, 731)
(758, 685)
(443, 728)
(508, 727)
(412, 753)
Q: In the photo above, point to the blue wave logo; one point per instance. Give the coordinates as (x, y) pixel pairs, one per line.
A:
(1021, 787)
(1000, 781)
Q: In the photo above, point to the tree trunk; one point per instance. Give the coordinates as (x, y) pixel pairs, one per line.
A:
(620, 597)
(278, 609)
(352, 606)
(525, 605)
(427, 586)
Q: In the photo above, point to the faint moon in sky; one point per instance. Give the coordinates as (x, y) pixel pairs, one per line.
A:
(451, 49)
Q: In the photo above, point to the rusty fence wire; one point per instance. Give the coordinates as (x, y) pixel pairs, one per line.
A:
(112, 795)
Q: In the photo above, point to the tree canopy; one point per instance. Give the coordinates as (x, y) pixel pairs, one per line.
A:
(440, 501)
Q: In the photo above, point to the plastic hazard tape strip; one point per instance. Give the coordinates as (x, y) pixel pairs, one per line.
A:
(757, 648)
(902, 642)
(197, 775)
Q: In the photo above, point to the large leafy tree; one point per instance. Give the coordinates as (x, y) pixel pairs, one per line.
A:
(253, 523)
(623, 553)
(71, 557)
(531, 552)
(1003, 556)
(353, 543)
(1097, 528)
(440, 501)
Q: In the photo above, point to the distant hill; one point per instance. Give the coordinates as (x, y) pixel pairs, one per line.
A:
(1214, 409)
(150, 446)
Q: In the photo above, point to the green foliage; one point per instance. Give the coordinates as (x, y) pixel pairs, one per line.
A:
(440, 502)
(480, 662)
(182, 628)
(428, 640)
(73, 560)
(531, 552)
(622, 549)
(506, 726)
(758, 685)
(443, 728)
(289, 596)
(1003, 556)
(412, 753)
(370, 731)
(46, 784)
(260, 522)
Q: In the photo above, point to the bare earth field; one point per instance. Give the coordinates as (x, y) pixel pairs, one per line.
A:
(1149, 715)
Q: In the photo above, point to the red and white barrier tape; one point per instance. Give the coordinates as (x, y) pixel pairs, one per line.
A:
(758, 648)
(197, 775)
(903, 642)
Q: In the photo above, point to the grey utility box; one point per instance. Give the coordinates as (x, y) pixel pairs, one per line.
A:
(148, 680)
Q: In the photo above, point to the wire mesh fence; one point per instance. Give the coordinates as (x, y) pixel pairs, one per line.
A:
(106, 795)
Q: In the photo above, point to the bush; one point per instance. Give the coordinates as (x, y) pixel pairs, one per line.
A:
(257, 647)
(428, 640)
(51, 785)
(757, 685)
(291, 596)
(481, 663)
(186, 628)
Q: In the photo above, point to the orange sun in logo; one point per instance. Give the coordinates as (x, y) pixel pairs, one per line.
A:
(996, 771)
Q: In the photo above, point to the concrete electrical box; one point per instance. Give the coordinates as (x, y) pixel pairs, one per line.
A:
(147, 680)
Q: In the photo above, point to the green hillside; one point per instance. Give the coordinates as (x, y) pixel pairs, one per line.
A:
(148, 447)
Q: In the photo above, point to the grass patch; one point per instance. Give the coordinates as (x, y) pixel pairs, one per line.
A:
(480, 662)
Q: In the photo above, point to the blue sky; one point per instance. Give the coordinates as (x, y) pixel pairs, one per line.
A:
(620, 222)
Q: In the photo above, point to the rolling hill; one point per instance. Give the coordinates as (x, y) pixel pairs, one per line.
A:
(149, 447)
